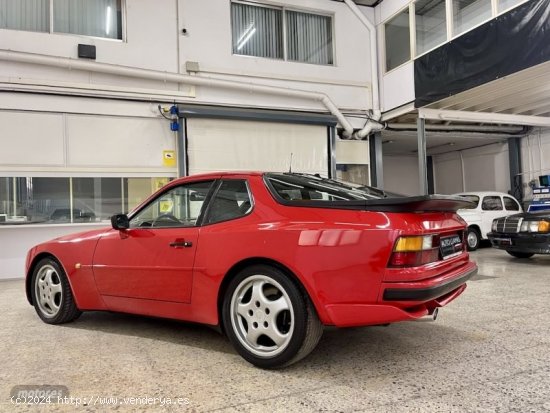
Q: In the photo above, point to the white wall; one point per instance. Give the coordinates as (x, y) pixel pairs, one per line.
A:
(397, 85)
(46, 136)
(481, 169)
(37, 139)
(154, 41)
(17, 240)
(401, 174)
(150, 39)
(347, 82)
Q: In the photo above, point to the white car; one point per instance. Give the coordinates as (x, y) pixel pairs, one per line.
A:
(489, 205)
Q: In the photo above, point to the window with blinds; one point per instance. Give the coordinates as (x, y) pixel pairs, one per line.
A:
(98, 18)
(309, 37)
(277, 33)
(257, 31)
(30, 15)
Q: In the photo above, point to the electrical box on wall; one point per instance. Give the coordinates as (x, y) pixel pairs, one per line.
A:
(86, 51)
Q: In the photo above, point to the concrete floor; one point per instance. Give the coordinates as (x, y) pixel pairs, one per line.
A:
(489, 351)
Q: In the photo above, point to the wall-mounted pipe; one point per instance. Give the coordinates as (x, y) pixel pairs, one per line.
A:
(372, 125)
(373, 58)
(119, 70)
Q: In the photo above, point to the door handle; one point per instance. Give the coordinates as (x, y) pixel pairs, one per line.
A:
(181, 243)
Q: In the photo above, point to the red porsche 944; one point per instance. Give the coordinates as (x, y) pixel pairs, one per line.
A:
(270, 258)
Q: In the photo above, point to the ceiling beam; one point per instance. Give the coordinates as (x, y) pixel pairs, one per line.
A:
(498, 89)
(516, 100)
(483, 117)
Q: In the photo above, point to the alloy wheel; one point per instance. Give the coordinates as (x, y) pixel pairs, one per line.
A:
(262, 316)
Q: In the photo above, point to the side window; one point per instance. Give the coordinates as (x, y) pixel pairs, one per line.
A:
(491, 203)
(179, 207)
(510, 204)
(232, 200)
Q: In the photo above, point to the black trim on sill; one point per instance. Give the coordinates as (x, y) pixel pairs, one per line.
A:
(424, 294)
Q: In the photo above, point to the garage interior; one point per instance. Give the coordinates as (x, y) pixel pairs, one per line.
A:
(413, 97)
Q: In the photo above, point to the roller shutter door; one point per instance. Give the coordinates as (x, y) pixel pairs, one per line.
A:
(229, 145)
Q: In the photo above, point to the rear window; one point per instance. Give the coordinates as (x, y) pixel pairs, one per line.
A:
(491, 203)
(471, 198)
(510, 204)
(303, 187)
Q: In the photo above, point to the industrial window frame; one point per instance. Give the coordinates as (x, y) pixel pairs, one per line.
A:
(52, 31)
(496, 10)
(283, 10)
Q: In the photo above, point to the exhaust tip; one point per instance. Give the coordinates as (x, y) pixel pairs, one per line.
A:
(430, 316)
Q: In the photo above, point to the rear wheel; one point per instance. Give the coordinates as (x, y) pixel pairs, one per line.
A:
(268, 319)
(520, 254)
(473, 238)
(51, 293)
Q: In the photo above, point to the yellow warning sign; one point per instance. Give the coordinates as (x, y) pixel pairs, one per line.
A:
(165, 206)
(169, 158)
(159, 183)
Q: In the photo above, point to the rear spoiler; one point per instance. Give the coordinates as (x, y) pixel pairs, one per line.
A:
(423, 203)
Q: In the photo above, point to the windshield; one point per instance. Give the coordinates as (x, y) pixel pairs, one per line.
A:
(471, 198)
(305, 187)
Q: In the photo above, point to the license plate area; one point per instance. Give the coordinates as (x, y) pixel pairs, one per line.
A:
(503, 241)
(450, 246)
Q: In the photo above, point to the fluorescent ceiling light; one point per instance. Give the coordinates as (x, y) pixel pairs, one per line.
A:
(248, 33)
(108, 21)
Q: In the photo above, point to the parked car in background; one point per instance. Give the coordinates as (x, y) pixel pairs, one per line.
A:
(268, 257)
(64, 215)
(522, 235)
(486, 206)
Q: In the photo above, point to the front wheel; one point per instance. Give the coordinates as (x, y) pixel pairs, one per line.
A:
(268, 319)
(520, 254)
(473, 238)
(51, 293)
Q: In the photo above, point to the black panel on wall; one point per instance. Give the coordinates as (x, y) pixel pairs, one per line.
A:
(507, 44)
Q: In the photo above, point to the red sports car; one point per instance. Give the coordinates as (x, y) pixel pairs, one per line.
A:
(268, 257)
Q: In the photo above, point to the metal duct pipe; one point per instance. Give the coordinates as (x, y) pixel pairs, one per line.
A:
(118, 70)
(373, 58)
(372, 125)
(466, 128)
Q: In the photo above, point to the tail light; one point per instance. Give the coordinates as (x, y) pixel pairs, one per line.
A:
(413, 251)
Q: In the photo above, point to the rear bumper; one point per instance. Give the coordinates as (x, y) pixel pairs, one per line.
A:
(404, 301)
(430, 292)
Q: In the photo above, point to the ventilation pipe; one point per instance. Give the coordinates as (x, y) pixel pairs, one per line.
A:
(118, 70)
(373, 124)
(510, 130)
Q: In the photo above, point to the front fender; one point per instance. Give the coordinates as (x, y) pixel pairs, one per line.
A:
(75, 256)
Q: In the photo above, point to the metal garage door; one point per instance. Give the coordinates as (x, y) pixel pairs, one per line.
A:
(228, 145)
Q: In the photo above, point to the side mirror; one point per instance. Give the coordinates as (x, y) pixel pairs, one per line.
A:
(120, 221)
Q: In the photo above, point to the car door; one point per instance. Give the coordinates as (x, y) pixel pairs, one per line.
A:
(154, 258)
(491, 208)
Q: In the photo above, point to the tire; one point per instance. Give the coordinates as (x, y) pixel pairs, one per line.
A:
(268, 319)
(473, 238)
(520, 254)
(52, 297)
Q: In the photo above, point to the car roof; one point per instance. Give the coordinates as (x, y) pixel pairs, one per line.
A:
(214, 175)
(483, 193)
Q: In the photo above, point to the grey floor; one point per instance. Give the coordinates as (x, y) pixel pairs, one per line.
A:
(489, 351)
